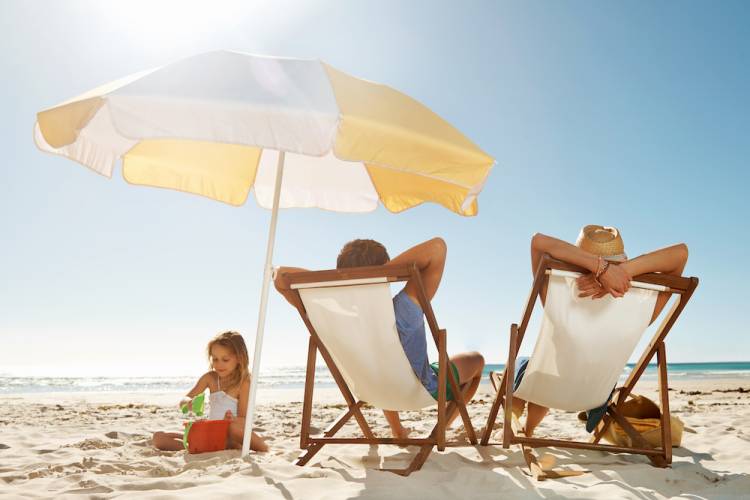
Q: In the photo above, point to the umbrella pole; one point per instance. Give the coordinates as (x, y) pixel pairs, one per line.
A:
(267, 271)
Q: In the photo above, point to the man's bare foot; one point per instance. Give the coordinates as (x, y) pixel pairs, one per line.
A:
(402, 433)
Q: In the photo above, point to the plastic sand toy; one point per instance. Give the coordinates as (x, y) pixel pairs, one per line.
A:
(201, 435)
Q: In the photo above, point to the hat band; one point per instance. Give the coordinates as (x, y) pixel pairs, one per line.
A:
(620, 257)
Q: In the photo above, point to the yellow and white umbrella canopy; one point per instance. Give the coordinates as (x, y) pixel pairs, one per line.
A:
(299, 133)
(214, 124)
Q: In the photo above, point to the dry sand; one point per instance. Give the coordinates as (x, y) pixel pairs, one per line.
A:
(98, 445)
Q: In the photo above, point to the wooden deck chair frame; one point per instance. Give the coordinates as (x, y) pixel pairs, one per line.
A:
(660, 457)
(313, 444)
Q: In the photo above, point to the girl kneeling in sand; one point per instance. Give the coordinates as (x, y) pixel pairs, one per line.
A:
(228, 381)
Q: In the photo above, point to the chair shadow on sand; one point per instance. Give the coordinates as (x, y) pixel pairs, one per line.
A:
(504, 471)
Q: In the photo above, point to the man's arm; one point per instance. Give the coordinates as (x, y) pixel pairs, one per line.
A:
(430, 260)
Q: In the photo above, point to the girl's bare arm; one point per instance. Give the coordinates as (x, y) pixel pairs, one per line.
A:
(198, 388)
(242, 404)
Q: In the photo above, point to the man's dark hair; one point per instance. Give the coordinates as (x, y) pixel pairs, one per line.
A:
(359, 253)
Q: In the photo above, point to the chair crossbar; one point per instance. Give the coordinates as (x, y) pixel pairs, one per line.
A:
(327, 284)
(633, 284)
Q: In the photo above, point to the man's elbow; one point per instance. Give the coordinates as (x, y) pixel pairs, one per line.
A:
(537, 241)
(439, 246)
(682, 252)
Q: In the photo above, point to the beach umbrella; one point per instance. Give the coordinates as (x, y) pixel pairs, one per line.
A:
(297, 133)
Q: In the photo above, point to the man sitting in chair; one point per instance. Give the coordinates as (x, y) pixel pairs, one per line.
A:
(429, 258)
(600, 250)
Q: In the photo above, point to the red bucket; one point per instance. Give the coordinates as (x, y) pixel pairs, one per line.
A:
(208, 435)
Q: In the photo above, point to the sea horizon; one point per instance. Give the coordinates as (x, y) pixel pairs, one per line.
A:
(293, 377)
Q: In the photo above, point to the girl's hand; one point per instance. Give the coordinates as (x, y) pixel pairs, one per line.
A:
(186, 401)
(615, 280)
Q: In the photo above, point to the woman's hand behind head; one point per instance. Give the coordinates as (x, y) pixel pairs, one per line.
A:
(615, 280)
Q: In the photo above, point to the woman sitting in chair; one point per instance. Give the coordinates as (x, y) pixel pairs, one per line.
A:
(600, 250)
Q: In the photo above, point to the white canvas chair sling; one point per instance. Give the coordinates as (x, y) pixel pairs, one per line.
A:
(349, 314)
(583, 345)
(581, 352)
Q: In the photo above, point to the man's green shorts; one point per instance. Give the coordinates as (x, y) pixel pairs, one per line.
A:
(449, 393)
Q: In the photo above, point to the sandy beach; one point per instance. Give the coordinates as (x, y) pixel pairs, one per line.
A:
(97, 445)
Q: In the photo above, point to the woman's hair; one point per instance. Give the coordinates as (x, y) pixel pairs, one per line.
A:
(235, 343)
(359, 253)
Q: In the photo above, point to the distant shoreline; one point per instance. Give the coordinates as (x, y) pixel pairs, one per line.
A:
(293, 377)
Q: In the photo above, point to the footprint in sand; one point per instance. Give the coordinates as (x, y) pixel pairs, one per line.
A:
(96, 444)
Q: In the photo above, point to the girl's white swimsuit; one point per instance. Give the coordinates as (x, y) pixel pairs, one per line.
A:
(220, 402)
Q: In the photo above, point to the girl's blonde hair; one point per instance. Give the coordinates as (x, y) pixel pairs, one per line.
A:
(235, 343)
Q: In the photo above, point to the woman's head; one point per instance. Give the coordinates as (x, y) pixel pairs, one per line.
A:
(227, 356)
(603, 241)
(358, 253)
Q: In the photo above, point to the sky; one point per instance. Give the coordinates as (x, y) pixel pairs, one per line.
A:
(629, 114)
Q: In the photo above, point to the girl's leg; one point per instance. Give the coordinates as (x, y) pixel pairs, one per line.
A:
(237, 433)
(168, 441)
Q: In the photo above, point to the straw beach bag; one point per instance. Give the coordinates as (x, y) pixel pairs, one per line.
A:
(645, 416)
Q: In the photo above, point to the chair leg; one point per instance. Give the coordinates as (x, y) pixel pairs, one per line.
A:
(332, 429)
(442, 395)
(492, 417)
(508, 403)
(636, 438)
(309, 387)
(416, 463)
(666, 421)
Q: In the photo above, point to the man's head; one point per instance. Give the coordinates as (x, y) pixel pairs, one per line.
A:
(359, 253)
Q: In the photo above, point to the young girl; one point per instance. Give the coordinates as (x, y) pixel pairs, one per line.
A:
(228, 381)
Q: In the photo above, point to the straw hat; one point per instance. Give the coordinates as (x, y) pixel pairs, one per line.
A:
(602, 240)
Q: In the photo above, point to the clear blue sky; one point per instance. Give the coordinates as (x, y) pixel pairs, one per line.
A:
(633, 114)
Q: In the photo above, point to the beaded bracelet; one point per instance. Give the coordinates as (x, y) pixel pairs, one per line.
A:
(601, 267)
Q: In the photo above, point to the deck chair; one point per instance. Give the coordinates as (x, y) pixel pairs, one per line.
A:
(581, 352)
(349, 314)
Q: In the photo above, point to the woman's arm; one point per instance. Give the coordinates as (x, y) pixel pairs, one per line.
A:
(560, 250)
(615, 279)
(669, 260)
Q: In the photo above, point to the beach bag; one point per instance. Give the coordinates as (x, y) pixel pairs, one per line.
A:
(645, 417)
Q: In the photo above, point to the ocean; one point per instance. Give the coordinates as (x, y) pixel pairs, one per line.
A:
(293, 377)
